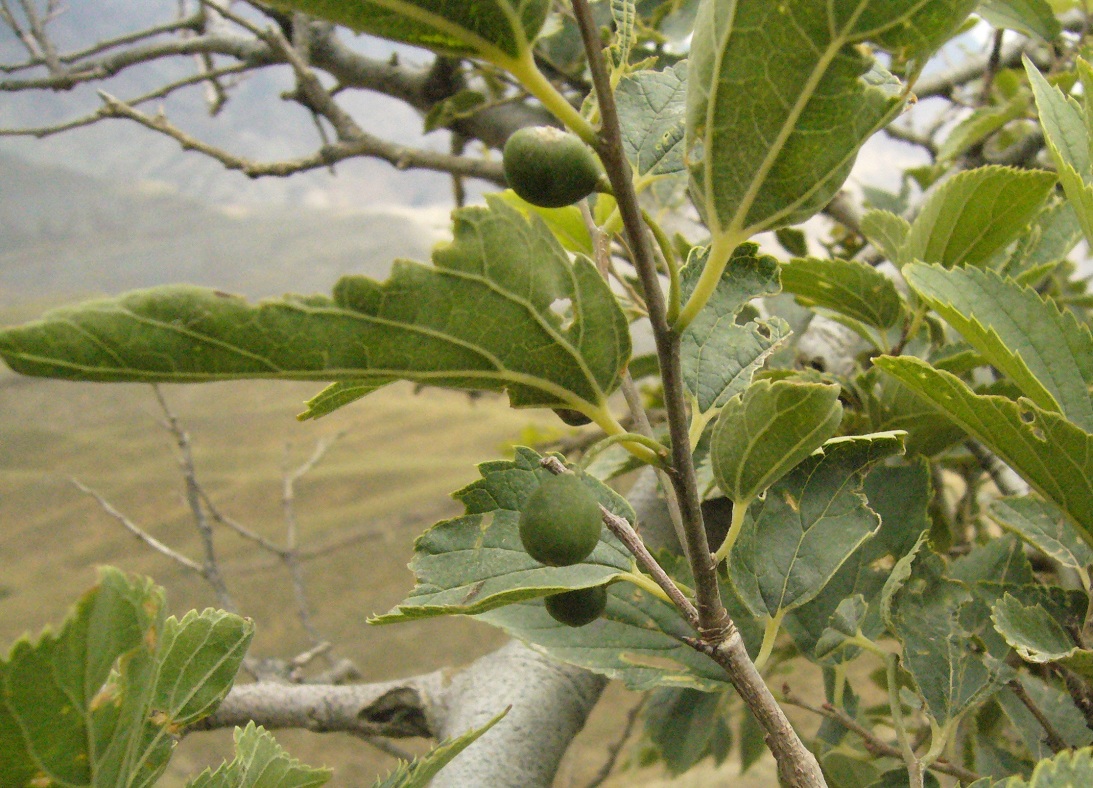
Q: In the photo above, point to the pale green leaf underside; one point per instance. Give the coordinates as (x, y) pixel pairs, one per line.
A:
(1043, 349)
(1068, 141)
(1031, 631)
(808, 524)
(925, 612)
(100, 701)
(1042, 525)
(1066, 770)
(466, 27)
(638, 639)
(848, 287)
(651, 107)
(418, 772)
(1050, 453)
(1031, 17)
(718, 355)
(476, 562)
(762, 435)
(780, 99)
(480, 318)
(975, 213)
(979, 125)
(260, 763)
(887, 232)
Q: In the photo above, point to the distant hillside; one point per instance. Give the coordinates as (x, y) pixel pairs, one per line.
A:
(66, 234)
(255, 123)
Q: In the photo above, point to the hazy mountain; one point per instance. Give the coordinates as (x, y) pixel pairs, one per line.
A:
(64, 233)
(255, 124)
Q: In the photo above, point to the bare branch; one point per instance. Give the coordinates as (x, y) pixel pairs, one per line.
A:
(139, 532)
(873, 745)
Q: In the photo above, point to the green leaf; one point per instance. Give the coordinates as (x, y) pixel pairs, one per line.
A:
(761, 435)
(1052, 236)
(978, 126)
(461, 105)
(260, 763)
(1031, 17)
(1043, 349)
(899, 495)
(887, 232)
(638, 640)
(718, 355)
(651, 106)
(1066, 770)
(925, 614)
(418, 772)
(1042, 525)
(848, 287)
(781, 96)
(1037, 637)
(481, 318)
(493, 29)
(1066, 132)
(101, 701)
(1050, 453)
(975, 213)
(476, 562)
(680, 722)
(807, 525)
(566, 223)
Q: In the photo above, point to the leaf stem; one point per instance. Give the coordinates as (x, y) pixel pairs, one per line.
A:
(914, 768)
(739, 510)
(720, 251)
(646, 584)
(770, 635)
(632, 437)
(529, 75)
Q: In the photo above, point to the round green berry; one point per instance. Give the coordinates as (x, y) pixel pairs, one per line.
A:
(560, 521)
(579, 607)
(549, 167)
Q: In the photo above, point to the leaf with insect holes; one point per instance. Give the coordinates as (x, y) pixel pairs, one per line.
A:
(484, 316)
(782, 94)
(497, 30)
(1052, 454)
(718, 354)
(923, 609)
(651, 107)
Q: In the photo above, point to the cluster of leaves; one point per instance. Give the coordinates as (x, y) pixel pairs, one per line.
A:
(843, 543)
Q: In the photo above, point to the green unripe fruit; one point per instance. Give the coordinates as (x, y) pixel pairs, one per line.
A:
(549, 167)
(579, 607)
(560, 522)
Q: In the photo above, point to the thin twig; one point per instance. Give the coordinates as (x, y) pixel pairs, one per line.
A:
(290, 555)
(873, 745)
(1051, 734)
(139, 532)
(211, 571)
(615, 749)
